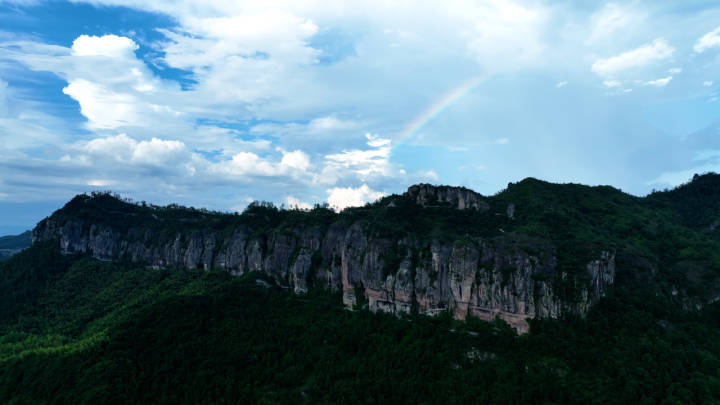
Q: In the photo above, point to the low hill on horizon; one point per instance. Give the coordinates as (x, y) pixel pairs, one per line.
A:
(12, 244)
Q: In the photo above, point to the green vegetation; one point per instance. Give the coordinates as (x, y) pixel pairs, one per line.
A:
(87, 331)
(78, 330)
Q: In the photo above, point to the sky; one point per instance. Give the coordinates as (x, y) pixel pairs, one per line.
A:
(215, 104)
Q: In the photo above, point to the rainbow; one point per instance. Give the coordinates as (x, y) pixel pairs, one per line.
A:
(438, 108)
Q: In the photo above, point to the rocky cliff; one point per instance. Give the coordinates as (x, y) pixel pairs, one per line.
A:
(500, 274)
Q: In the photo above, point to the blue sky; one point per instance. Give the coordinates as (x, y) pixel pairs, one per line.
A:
(218, 103)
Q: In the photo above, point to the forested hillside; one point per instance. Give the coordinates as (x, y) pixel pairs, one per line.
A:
(76, 329)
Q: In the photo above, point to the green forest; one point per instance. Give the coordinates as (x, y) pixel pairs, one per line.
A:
(78, 330)
(74, 329)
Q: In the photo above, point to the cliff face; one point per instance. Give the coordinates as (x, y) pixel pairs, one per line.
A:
(505, 275)
(457, 197)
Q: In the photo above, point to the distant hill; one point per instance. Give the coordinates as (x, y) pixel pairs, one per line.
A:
(9, 245)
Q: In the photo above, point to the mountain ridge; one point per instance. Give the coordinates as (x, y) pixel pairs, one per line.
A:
(536, 249)
(76, 329)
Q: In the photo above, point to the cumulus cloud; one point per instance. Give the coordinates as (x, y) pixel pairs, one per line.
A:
(247, 164)
(612, 83)
(296, 159)
(121, 157)
(123, 149)
(293, 164)
(103, 108)
(111, 46)
(707, 41)
(340, 198)
(655, 51)
(708, 83)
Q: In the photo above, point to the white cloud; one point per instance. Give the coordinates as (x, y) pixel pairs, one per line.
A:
(296, 159)
(659, 82)
(340, 198)
(707, 41)
(310, 78)
(294, 166)
(104, 109)
(364, 164)
(502, 141)
(243, 58)
(112, 86)
(377, 142)
(158, 151)
(247, 164)
(124, 149)
(708, 83)
(294, 202)
(111, 46)
(120, 147)
(658, 50)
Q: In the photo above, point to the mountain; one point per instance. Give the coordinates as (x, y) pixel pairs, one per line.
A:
(616, 296)
(430, 250)
(9, 245)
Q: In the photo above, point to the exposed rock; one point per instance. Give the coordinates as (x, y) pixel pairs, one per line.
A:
(458, 197)
(511, 211)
